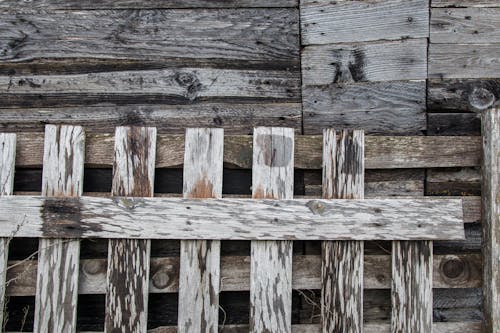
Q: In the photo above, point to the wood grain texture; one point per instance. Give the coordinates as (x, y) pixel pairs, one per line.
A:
(411, 287)
(325, 22)
(491, 219)
(313, 219)
(58, 259)
(376, 107)
(453, 124)
(464, 61)
(465, 25)
(255, 35)
(7, 169)
(465, 3)
(342, 262)
(199, 280)
(381, 152)
(378, 61)
(129, 259)
(271, 262)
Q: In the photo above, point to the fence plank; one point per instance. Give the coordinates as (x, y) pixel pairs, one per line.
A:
(342, 261)
(491, 219)
(199, 259)
(58, 268)
(271, 262)
(7, 168)
(128, 260)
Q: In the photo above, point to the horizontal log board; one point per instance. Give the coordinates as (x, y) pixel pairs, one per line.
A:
(168, 86)
(235, 118)
(464, 3)
(467, 61)
(450, 271)
(380, 152)
(232, 219)
(259, 35)
(465, 25)
(457, 95)
(379, 108)
(378, 61)
(453, 124)
(325, 22)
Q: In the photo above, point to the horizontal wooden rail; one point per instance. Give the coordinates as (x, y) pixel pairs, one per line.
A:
(232, 219)
(381, 152)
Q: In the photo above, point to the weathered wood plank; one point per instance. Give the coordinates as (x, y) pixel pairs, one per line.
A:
(453, 124)
(58, 259)
(144, 218)
(386, 152)
(265, 35)
(7, 169)
(467, 61)
(491, 219)
(465, 25)
(324, 22)
(200, 260)
(465, 3)
(378, 61)
(235, 118)
(411, 287)
(271, 262)
(342, 262)
(378, 107)
(129, 259)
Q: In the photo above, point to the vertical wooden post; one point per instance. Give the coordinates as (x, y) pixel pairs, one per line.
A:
(271, 261)
(58, 259)
(128, 260)
(200, 260)
(490, 194)
(342, 261)
(7, 167)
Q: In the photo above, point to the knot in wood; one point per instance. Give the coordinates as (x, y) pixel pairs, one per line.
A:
(161, 279)
(317, 207)
(481, 98)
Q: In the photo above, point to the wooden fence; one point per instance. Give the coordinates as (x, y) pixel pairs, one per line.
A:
(272, 220)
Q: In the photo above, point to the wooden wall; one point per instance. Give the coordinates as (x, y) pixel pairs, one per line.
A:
(390, 67)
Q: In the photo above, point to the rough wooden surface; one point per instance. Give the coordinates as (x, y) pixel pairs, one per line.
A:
(7, 169)
(370, 219)
(324, 22)
(464, 3)
(129, 260)
(200, 260)
(388, 152)
(491, 219)
(342, 262)
(411, 287)
(58, 259)
(271, 262)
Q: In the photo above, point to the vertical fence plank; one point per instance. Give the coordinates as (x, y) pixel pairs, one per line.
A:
(129, 260)
(271, 261)
(200, 260)
(7, 168)
(490, 194)
(342, 261)
(58, 259)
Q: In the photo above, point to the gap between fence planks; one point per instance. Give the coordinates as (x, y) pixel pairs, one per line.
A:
(381, 152)
(200, 259)
(342, 261)
(129, 259)
(58, 259)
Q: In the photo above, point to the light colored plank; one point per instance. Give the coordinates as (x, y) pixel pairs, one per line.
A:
(465, 25)
(411, 287)
(325, 22)
(129, 259)
(7, 169)
(378, 61)
(58, 268)
(342, 262)
(464, 61)
(465, 3)
(381, 152)
(271, 262)
(491, 219)
(200, 260)
(314, 219)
